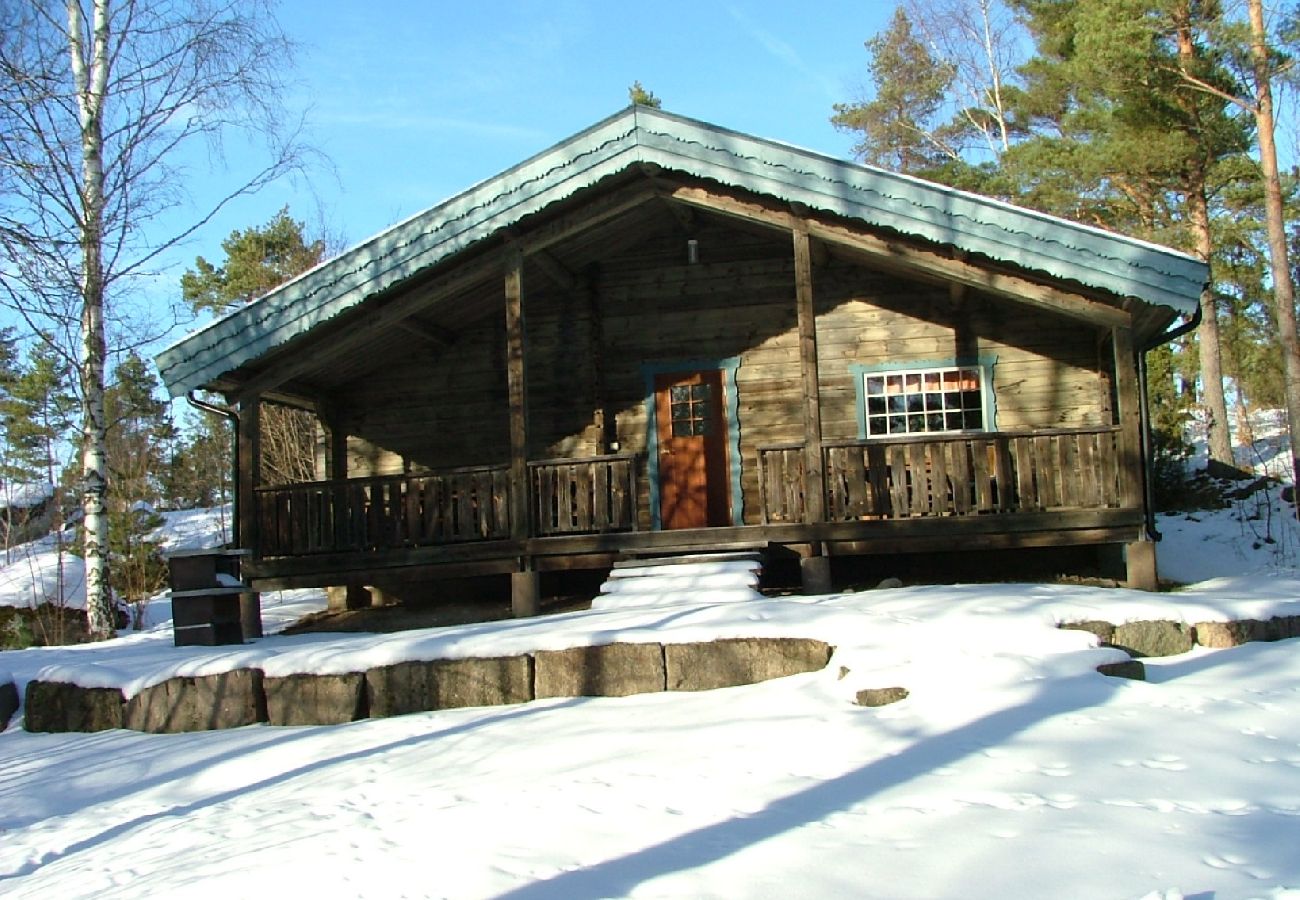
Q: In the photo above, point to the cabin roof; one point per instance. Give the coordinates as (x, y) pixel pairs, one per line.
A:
(641, 136)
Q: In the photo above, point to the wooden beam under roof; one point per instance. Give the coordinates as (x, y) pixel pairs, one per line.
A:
(375, 322)
(909, 258)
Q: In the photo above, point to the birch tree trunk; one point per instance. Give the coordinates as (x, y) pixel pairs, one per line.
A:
(90, 62)
(1279, 263)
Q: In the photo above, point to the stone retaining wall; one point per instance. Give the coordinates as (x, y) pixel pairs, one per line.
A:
(247, 696)
(1168, 638)
(1165, 637)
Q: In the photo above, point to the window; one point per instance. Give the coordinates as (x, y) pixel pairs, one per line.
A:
(689, 408)
(924, 401)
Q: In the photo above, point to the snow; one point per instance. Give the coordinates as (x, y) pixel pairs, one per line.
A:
(1012, 768)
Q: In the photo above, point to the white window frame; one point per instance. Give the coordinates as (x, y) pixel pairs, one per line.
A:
(913, 384)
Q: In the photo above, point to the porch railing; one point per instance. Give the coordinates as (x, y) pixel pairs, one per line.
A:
(569, 496)
(957, 475)
(583, 496)
(385, 512)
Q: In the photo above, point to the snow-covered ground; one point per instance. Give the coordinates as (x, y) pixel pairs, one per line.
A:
(1011, 770)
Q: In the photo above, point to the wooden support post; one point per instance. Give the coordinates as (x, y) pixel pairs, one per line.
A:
(1140, 563)
(520, 508)
(250, 472)
(815, 574)
(525, 589)
(1129, 416)
(814, 480)
(605, 430)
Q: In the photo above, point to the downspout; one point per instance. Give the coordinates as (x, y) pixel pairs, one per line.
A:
(226, 413)
(1148, 486)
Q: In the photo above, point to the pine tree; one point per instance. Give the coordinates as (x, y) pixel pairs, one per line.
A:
(139, 430)
(38, 417)
(258, 260)
(640, 96)
(899, 126)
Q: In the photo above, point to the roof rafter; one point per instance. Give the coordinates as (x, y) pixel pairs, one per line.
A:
(398, 311)
(900, 255)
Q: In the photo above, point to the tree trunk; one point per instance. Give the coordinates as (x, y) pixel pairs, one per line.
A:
(1198, 210)
(90, 74)
(1279, 264)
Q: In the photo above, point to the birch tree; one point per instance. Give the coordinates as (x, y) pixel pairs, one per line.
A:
(102, 102)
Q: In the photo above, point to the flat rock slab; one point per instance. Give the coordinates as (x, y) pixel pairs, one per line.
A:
(316, 699)
(1131, 669)
(8, 703)
(707, 665)
(229, 700)
(449, 684)
(1156, 638)
(56, 706)
(612, 670)
(880, 696)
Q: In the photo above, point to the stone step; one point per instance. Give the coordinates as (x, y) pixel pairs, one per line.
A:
(703, 581)
(665, 557)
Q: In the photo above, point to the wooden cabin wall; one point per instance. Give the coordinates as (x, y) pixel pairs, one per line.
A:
(1048, 372)
(426, 409)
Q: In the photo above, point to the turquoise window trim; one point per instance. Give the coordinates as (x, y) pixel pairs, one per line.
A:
(986, 363)
(727, 367)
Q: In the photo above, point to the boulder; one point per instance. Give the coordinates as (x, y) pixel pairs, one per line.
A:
(1104, 630)
(612, 670)
(315, 699)
(880, 696)
(1230, 634)
(228, 700)
(449, 683)
(1129, 669)
(732, 661)
(56, 706)
(1156, 638)
(1280, 628)
(8, 703)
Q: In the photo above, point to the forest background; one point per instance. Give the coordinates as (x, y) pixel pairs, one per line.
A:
(1155, 118)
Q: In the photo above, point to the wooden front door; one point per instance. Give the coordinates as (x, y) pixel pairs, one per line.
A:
(692, 434)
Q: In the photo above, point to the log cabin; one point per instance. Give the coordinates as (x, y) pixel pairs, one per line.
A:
(660, 336)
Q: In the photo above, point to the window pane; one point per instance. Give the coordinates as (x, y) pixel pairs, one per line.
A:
(700, 392)
(923, 400)
(679, 393)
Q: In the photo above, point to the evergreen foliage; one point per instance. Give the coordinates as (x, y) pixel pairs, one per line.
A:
(640, 96)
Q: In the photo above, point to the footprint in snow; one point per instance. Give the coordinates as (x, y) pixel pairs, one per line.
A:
(1165, 761)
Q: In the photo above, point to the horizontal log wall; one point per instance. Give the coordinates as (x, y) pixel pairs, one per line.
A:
(429, 409)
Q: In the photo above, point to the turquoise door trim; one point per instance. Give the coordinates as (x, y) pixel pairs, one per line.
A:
(728, 369)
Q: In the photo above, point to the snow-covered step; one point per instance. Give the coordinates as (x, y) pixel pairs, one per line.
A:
(673, 581)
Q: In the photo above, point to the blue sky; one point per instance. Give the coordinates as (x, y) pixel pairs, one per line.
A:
(412, 102)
